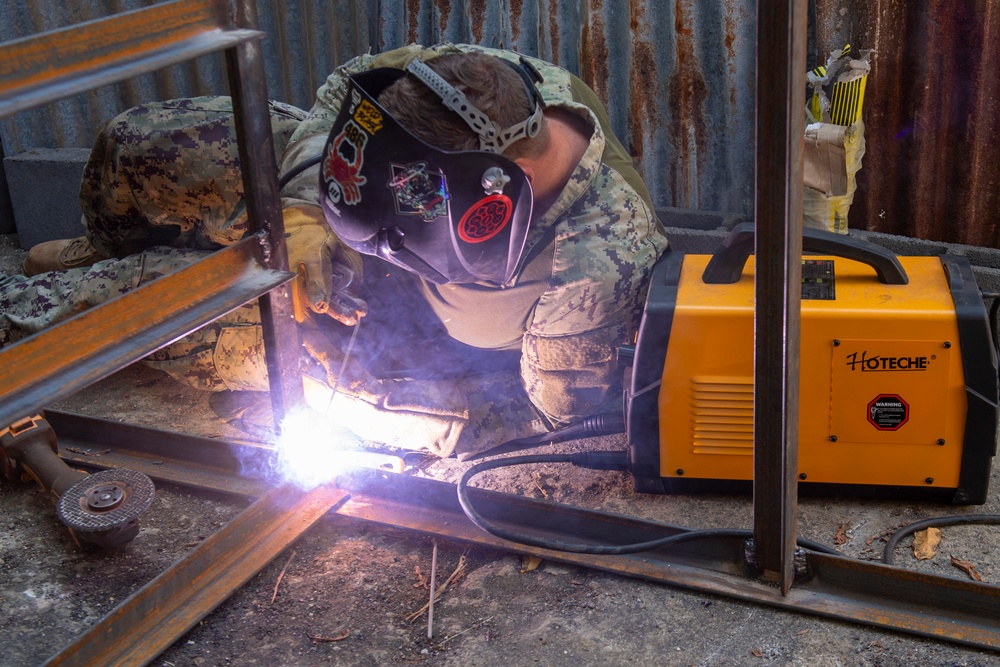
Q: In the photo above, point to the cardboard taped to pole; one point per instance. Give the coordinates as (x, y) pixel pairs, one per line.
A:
(834, 139)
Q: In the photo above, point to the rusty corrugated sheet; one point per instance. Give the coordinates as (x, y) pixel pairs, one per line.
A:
(677, 76)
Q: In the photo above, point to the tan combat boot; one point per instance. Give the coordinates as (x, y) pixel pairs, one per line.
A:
(60, 255)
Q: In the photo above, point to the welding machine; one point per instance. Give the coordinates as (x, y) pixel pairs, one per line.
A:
(898, 386)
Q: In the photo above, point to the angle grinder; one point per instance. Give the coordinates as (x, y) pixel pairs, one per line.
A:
(101, 508)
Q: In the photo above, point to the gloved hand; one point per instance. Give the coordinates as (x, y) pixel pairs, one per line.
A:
(329, 273)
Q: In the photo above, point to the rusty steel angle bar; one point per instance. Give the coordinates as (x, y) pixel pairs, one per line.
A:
(873, 594)
(42, 368)
(49, 66)
(253, 126)
(781, 38)
(943, 608)
(149, 621)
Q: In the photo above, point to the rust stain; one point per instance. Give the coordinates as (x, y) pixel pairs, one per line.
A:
(687, 93)
(444, 9)
(929, 169)
(554, 32)
(594, 53)
(516, 7)
(477, 18)
(412, 20)
(985, 187)
(729, 40)
(644, 90)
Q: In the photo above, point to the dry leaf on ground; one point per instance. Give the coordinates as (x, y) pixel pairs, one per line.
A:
(925, 543)
(968, 567)
(529, 564)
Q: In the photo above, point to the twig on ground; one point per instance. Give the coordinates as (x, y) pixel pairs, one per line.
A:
(339, 637)
(282, 575)
(430, 603)
(459, 571)
(545, 494)
(471, 627)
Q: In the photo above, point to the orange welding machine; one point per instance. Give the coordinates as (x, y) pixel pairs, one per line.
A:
(898, 386)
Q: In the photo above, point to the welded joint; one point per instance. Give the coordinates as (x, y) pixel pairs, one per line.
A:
(800, 561)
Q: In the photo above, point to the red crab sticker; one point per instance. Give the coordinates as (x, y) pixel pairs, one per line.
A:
(485, 219)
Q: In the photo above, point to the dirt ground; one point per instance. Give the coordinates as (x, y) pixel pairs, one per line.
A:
(350, 588)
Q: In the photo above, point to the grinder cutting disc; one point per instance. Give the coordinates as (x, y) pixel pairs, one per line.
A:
(108, 500)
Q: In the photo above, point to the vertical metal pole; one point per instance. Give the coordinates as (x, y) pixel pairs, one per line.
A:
(781, 36)
(260, 179)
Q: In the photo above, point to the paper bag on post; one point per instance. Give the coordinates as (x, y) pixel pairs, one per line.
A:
(834, 139)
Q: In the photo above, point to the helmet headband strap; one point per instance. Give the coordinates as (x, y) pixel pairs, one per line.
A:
(491, 137)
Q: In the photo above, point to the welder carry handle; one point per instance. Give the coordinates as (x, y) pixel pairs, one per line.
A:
(726, 265)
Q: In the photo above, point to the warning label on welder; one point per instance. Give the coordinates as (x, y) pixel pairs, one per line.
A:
(888, 412)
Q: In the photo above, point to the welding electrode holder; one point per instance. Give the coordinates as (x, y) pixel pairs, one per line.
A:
(101, 508)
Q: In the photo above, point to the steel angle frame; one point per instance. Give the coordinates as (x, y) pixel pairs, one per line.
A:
(872, 594)
(869, 593)
(45, 67)
(159, 613)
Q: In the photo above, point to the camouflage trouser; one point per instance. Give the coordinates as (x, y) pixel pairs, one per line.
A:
(164, 174)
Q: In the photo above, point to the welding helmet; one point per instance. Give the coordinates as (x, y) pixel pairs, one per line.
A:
(448, 216)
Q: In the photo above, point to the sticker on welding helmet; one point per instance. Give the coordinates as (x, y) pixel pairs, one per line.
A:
(418, 190)
(342, 165)
(485, 219)
(888, 412)
(368, 117)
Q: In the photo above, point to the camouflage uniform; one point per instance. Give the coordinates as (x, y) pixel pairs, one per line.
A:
(577, 298)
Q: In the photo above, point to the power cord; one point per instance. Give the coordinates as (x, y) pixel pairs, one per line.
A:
(600, 460)
(985, 519)
(610, 423)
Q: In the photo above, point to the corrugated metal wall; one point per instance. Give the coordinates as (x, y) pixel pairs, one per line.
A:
(678, 78)
(931, 115)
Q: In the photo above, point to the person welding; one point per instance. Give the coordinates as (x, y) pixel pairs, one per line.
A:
(469, 208)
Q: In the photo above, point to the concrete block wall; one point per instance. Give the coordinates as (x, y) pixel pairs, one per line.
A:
(44, 189)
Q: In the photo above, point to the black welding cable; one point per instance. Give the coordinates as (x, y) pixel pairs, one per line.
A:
(610, 423)
(983, 519)
(298, 169)
(602, 460)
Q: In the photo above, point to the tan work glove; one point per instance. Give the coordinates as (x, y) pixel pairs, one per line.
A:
(329, 273)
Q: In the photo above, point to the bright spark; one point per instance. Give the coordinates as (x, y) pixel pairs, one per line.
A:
(312, 450)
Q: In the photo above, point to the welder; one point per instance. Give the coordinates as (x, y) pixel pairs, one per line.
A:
(469, 207)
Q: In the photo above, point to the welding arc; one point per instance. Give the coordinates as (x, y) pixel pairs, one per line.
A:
(601, 461)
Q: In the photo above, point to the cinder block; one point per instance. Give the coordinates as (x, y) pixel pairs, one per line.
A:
(44, 192)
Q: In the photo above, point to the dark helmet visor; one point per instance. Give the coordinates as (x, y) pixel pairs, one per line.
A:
(448, 216)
